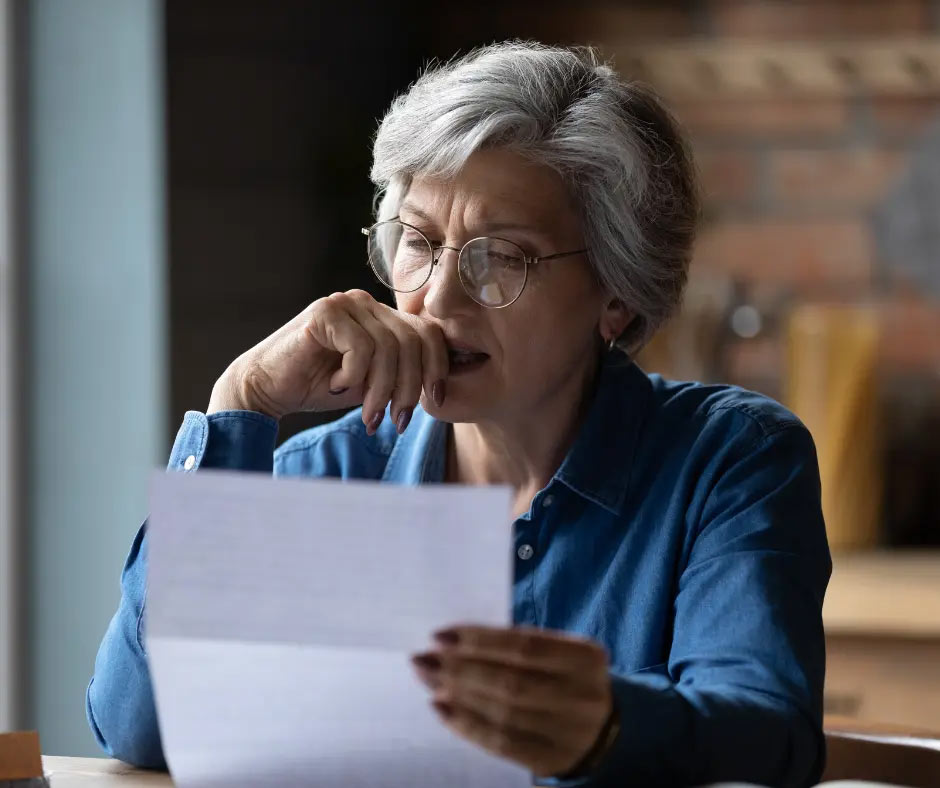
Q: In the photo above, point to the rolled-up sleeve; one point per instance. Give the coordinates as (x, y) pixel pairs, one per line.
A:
(741, 696)
(119, 700)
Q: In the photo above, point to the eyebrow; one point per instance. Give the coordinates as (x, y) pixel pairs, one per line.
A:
(488, 227)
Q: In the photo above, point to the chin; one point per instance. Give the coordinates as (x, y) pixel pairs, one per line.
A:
(456, 409)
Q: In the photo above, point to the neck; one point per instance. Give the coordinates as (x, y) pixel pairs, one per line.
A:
(525, 449)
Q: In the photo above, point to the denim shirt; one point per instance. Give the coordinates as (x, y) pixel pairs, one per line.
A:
(683, 531)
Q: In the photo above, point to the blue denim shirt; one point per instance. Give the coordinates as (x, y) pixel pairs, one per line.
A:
(683, 531)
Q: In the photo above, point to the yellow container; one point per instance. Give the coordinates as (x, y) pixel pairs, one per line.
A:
(831, 384)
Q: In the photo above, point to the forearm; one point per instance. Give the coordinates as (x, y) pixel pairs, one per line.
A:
(119, 700)
(670, 735)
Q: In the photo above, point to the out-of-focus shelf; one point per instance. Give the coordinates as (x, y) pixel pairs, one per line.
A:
(890, 593)
(749, 69)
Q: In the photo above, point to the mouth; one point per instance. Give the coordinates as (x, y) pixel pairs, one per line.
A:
(465, 359)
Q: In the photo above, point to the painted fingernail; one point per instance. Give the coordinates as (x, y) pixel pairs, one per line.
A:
(447, 637)
(438, 392)
(334, 392)
(403, 418)
(427, 661)
(444, 709)
(374, 422)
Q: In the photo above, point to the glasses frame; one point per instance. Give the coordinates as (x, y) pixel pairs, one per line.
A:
(436, 252)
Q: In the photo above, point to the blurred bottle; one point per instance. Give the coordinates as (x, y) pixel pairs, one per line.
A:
(831, 384)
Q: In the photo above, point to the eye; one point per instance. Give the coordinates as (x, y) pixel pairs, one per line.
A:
(503, 257)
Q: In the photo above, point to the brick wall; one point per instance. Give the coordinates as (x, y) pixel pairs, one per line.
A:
(791, 181)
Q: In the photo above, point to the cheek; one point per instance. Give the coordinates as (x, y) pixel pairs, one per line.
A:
(528, 339)
(410, 303)
(547, 334)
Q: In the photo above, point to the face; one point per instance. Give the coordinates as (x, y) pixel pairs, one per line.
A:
(528, 353)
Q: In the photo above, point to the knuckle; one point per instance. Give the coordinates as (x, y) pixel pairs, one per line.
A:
(385, 341)
(322, 306)
(358, 295)
(411, 343)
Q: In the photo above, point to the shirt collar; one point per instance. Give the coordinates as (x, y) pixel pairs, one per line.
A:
(599, 464)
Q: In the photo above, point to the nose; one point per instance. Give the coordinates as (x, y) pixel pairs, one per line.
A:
(445, 295)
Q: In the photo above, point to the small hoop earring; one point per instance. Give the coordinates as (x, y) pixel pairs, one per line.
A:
(612, 344)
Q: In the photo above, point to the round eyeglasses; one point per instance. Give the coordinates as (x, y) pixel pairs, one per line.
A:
(493, 271)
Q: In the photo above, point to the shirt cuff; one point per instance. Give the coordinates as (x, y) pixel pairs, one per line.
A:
(241, 440)
(643, 710)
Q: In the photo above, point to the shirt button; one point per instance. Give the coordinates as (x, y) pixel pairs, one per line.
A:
(190, 462)
(548, 500)
(525, 552)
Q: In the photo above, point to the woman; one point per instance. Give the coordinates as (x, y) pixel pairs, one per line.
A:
(535, 225)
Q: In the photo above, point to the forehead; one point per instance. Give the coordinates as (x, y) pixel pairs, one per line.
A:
(494, 185)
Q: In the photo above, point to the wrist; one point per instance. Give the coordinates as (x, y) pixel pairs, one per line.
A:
(601, 747)
(231, 393)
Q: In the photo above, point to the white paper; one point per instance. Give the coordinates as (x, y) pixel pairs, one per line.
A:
(281, 615)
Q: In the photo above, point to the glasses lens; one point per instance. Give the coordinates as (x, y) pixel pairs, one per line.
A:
(400, 256)
(492, 271)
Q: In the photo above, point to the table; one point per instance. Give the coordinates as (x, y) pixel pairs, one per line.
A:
(99, 772)
(105, 773)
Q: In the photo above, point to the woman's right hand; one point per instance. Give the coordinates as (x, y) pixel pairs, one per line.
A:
(341, 351)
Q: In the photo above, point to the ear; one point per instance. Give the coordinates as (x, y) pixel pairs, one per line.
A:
(615, 317)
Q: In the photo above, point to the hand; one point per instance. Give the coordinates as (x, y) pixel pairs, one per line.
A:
(341, 351)
(538, 697)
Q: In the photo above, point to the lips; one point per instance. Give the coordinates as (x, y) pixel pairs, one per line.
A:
(461, 355)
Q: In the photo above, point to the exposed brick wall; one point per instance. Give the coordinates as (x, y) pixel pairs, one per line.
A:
(790, 183)
(789, 188)
(816, 19)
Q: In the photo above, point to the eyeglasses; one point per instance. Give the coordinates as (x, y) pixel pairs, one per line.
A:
(493, 271)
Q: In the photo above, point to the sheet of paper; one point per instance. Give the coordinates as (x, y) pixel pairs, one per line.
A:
(281, 614)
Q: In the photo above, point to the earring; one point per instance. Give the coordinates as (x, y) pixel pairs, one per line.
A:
(613, 343)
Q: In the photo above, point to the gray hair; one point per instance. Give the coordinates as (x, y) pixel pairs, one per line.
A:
(618, 149)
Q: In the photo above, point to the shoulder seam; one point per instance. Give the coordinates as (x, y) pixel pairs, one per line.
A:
(775, 426)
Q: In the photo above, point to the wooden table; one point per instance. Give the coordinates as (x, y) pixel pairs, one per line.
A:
(882, 617)
(103, 772)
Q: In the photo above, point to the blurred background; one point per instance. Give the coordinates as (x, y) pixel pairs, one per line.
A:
(180, 178)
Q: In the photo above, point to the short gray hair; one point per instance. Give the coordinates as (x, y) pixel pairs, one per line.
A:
(619, 151)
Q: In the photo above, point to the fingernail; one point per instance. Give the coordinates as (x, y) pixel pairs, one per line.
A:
(438, 391)
(403, 418)
(334, 392)
(374, 422)
(427, 661)
(447, 637)
(444, 709)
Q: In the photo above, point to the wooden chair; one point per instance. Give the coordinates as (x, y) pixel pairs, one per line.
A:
(881, 753)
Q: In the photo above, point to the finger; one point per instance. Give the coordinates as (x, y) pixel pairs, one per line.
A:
(523, 747)
(333, 327)
(383, 367)
(576, 696)
(435, 364)
(547, 650)
(555, 723)
(408, 381)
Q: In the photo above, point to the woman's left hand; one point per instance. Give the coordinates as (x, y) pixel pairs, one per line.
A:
(538, 697)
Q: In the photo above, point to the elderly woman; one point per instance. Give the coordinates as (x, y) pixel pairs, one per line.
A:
(535, 226)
